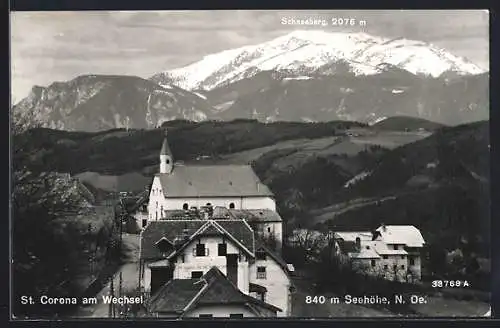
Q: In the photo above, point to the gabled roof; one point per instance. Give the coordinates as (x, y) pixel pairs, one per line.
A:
(182, 295)
(263, 215)
(212, 181)
(169, 229)
(175, 295)
(236, 230)
(402, 234)
(239, 232)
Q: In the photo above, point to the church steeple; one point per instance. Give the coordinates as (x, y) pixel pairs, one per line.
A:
(166, 158)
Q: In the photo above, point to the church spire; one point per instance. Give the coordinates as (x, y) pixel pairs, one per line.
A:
(165, 149)
(166, 158)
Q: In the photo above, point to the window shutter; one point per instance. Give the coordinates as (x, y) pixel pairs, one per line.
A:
(194, 251)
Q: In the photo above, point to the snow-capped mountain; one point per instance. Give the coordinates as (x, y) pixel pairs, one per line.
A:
(303, 52)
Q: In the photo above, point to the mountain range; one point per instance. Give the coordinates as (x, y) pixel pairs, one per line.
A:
(307, 76)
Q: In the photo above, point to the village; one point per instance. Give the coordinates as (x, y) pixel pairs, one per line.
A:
(207, 241)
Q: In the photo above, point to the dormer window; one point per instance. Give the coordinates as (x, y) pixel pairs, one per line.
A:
(164, 245)
(396, 247)
(231, 206)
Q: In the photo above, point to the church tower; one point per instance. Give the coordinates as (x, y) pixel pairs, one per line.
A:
(166, 158)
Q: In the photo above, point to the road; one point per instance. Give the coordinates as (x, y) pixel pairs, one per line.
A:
(130, 278)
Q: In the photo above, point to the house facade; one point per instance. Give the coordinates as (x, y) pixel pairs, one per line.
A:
(392, 252)
(178, 250)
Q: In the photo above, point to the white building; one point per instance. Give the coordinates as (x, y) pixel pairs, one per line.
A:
(212, 243)
(390, 251)
(180, 253)
(180, 186)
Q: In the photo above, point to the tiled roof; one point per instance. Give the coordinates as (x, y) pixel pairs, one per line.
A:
(264, 215)
(172, 229)
(175, 295)
(180, 295)
(169, 229)
(402, 234)
(212, 181)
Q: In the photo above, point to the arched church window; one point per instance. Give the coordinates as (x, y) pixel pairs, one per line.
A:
(185, 206)
(231, 205)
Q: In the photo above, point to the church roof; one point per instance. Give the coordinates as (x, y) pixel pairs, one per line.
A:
(212, 181)
(182, 295)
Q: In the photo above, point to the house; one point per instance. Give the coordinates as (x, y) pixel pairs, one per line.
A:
(181, 187)
(211, 295)
(175, 250)
(392, 251)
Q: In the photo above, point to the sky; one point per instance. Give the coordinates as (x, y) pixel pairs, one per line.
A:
(59, 46)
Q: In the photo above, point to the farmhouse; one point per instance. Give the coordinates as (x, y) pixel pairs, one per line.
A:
(393, 251)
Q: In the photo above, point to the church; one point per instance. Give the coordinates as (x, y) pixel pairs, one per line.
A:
(212, 231)
(182, 187)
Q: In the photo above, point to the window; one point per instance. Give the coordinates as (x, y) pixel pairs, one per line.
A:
(222, 249)
(384, 257)
(196, 274)
(236, 315)
(200, 250)
(396, 247)
(268, 229)
(185, 206)
(373, 263)
(367, 247)
(403, 267)
(168, 161)
(394, 267)
(205, 316)
(208, 204)
(412, 261)
(231, 205)
(402, 257)
(385, 267)
(261, 272)
(261, 255)
(144, 222)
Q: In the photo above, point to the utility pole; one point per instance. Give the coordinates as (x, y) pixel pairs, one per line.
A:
(111, 304)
